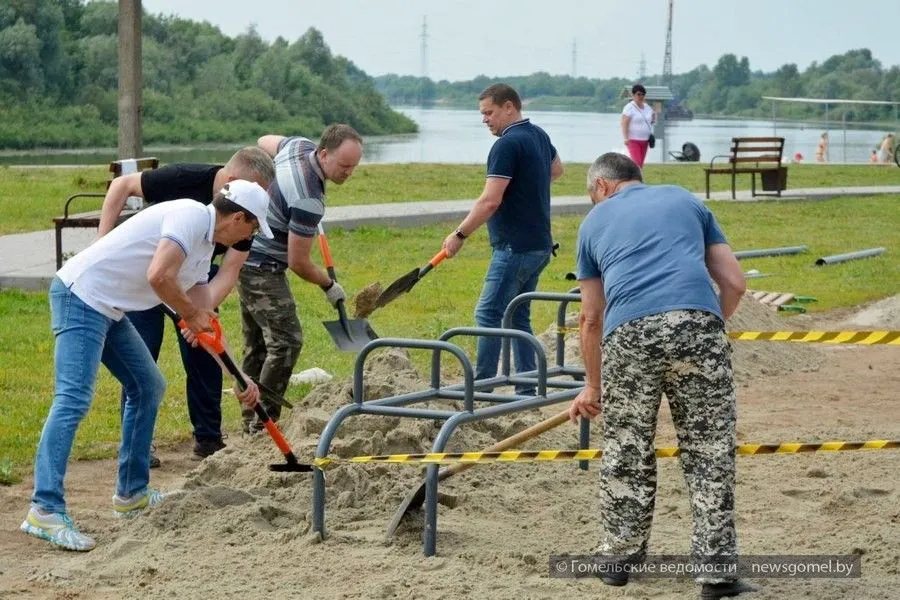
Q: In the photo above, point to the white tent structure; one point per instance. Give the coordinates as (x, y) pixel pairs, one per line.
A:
(828, 102)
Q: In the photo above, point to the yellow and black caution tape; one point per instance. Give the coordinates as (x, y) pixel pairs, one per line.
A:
(891, 338)
(444, 458)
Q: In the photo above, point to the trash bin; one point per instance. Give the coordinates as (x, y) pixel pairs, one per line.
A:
(774, 180)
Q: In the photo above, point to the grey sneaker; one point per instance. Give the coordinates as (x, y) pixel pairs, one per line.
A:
(58, 529)
(132, 505)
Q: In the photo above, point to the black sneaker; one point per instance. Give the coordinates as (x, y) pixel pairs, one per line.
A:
(616, 580)
(204, 447)
(728, 589)
(154, 460)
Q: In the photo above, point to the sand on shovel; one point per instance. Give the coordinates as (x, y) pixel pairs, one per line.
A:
(364, 301)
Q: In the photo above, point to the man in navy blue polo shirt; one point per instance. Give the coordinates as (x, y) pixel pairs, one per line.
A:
(515, 203)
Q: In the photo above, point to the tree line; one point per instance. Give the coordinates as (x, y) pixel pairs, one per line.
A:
(58, 81)
(730, 88)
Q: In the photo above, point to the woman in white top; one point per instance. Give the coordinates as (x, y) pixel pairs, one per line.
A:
(637, 124)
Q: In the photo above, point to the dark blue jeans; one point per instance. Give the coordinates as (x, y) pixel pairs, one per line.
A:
(84, 339)
(204, 376)
(509, 274)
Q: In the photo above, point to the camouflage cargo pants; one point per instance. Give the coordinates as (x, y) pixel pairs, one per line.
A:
(272, 335)
(686, 355)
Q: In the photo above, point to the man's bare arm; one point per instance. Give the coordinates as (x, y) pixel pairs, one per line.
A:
(119, 191)
(725, 270)
(162, 275)
(269, 144)
(226, 278)
(300, 260)
(556, 169)
(593, 303)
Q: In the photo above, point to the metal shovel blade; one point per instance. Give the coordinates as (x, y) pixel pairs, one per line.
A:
(399, 287)
(354, 338)
(416, 497)
(289, 467)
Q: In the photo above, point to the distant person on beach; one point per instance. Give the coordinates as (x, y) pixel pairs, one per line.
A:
(515, 204)
(886, 149)
(873, 158)
(638, 119)
(822, 148)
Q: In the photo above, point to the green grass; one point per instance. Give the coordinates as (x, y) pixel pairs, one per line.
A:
(445, 298)
(30, 198)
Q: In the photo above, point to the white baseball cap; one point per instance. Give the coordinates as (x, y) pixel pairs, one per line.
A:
(252, 197)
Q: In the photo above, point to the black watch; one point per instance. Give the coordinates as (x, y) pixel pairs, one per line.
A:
(327, 287)
(460, 234)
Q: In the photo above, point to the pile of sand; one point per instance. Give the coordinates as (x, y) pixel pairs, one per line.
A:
(750, 359)
(238, 529)
(881, 315)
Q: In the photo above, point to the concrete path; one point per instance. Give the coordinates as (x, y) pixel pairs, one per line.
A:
(27, 260)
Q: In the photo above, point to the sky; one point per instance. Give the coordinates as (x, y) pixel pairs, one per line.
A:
(466, 38)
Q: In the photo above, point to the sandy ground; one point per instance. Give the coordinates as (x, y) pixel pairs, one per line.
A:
(239, 530)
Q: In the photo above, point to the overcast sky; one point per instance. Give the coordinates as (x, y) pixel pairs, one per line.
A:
(472, 37)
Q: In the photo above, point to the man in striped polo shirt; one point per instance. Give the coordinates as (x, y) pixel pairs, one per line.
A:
(273, 336)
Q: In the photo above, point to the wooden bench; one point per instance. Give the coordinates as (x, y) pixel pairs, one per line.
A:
(752, 155)
(92, 218)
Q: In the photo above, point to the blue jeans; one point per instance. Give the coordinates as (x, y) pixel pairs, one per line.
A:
(509, 274)
(203, 385)
(84, 339)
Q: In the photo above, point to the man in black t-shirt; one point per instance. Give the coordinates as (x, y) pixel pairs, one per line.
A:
(197, 182)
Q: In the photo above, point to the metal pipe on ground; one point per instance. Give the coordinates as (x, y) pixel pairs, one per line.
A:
(770, 252)
(839, 258)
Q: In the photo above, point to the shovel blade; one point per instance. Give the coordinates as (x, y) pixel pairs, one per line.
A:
(412, 502)
(398, 288)
(291, 468)
(360, 334)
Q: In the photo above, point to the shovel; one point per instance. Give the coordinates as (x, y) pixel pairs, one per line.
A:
(414, 499)
(350, 335)
(212, 343)
(408, 281)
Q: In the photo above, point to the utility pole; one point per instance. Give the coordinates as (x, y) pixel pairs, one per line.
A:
(574, 58)
(130, 79)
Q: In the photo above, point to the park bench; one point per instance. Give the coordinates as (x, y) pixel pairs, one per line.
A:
(752, 155)
(92, 218)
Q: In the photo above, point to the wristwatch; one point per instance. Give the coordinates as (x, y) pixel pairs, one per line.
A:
(460, 234)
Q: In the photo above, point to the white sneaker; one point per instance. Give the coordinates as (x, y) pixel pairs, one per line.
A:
(58, 529)
(131, 505)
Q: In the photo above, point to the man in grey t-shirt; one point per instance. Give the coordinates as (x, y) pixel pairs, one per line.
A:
(273, 336)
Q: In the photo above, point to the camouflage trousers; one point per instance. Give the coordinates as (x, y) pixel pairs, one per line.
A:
(685, 355)
(273, 336)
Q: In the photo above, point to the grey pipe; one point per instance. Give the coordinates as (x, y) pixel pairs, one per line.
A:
(770, 252)
(839, 258)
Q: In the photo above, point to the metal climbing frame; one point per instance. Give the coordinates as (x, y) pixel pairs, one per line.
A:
(469, 391)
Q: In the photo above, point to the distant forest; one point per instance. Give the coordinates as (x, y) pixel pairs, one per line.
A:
(730, 88)
(58, 81)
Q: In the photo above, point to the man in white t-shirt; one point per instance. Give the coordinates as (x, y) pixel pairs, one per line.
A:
(161, 254)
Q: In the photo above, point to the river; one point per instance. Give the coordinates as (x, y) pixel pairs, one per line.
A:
(458, 136)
